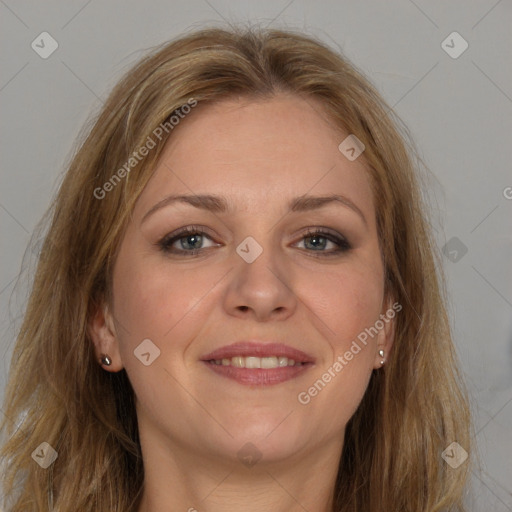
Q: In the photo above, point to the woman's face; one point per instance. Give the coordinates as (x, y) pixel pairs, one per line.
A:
(258, 276)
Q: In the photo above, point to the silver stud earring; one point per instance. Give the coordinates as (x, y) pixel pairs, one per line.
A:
(105, 360)
(381, 354)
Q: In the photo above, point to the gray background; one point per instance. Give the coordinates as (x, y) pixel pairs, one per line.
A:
(457, 109)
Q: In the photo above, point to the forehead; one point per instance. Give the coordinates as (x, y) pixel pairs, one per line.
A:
(258, 153)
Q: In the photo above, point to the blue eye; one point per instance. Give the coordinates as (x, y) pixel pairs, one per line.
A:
(188, 241)
(191, 240)
(318, 240)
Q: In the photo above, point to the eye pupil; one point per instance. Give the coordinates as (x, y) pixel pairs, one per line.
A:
(191, 240)
(315, 241)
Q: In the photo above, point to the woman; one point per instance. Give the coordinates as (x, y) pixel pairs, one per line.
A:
(236, 304)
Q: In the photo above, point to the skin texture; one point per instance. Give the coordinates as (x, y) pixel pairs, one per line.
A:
(258, 155)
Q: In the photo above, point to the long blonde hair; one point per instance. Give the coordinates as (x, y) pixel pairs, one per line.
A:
(414, 407)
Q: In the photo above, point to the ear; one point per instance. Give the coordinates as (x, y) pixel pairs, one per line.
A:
(386, 335)
(102, 331)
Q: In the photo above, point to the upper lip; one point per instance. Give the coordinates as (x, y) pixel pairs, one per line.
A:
(258, 349)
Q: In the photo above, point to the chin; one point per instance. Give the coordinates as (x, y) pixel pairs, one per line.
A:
(276, 435)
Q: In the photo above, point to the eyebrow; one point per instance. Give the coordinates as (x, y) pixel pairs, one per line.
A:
(218, 204)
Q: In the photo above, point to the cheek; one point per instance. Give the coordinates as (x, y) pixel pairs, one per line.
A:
(156, 303)
(347, 300)
(150, 301)
(161, 300)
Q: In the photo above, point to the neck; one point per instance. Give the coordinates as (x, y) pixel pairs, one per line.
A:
(187, 480)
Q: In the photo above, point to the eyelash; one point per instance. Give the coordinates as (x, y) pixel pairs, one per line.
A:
(165, 244)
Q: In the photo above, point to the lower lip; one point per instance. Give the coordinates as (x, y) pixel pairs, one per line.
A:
(259, 376)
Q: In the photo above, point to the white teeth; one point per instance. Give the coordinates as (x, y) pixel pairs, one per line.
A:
(269, 362)
(238, 362)
(283, 361)
(253, 362)
(257, 362)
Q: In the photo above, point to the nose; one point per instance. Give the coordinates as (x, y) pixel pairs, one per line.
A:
(262, 289)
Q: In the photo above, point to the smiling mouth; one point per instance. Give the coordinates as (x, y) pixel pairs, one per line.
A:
(257, 375)
(257, 362)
